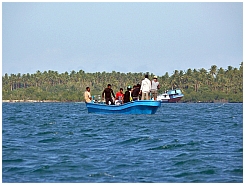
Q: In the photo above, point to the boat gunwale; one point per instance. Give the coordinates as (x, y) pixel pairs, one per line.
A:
(147, 103)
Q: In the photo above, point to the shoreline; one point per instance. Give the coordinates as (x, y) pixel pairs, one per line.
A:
(31, 101)
(55, 101)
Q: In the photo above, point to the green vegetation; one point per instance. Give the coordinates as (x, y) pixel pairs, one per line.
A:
(217, 84)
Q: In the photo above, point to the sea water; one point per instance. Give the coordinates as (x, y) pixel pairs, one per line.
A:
(61, 142)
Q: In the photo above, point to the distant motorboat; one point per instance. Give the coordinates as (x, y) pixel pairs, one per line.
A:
(170, 96)
(134, 107)
(163, 98)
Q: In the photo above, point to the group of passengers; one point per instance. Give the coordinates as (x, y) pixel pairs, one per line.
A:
(138, 92)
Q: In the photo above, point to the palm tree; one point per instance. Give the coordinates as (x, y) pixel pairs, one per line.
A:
(174, 79)
(196, 79)
(213, 70)
(12, 82)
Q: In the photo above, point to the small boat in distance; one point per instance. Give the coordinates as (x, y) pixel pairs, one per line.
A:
(134, 107)
(170, 96)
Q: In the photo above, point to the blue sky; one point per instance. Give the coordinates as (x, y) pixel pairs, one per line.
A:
(124, 37)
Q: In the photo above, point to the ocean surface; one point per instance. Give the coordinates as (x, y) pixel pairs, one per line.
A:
(61, 142)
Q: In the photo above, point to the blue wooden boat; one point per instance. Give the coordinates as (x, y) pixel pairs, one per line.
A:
(134, 107)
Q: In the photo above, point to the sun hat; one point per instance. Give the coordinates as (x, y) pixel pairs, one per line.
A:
(155, 76)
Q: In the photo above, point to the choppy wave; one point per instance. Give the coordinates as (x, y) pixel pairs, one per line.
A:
(61, 142)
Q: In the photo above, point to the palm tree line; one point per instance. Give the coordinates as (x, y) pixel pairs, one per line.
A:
(214, 84)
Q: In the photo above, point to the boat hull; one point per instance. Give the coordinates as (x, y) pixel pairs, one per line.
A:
(135, 107)
(174, 100)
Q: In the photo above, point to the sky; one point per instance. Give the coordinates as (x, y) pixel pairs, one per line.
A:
(124, 37)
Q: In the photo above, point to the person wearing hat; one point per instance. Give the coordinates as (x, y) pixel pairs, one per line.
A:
(154, 87)
(127, 95)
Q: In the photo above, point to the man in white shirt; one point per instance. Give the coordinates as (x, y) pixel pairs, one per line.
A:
(154, 87)
(145, 88)
(87, 95)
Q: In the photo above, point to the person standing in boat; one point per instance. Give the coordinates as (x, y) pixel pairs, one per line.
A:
(106, 94)
(135, 92)
(127, 95)
(87, 95)
(145, 88)
(154, 87)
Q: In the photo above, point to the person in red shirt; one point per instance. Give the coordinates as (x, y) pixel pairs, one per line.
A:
(120, 95)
